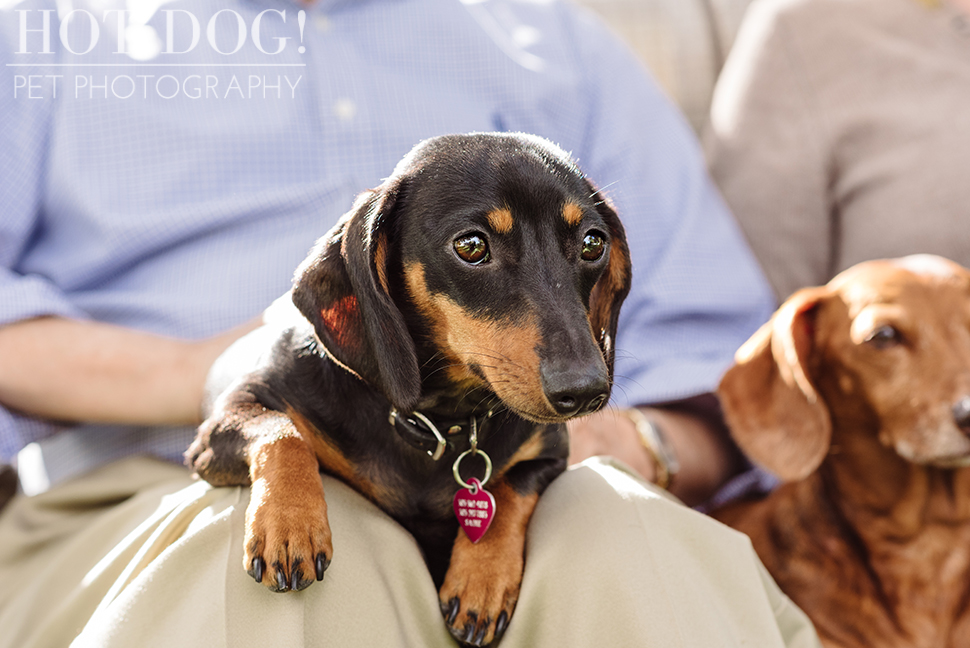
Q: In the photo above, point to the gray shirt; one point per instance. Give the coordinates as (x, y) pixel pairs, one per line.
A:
(840, 132)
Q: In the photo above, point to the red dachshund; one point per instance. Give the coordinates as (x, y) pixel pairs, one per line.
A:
(857, 394)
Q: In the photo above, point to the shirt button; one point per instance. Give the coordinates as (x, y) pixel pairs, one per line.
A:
(345, 109)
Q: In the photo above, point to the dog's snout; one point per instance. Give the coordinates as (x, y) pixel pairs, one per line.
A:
(961, 413)
(576, 394)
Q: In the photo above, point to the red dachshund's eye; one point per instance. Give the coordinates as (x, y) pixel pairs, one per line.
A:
(593, 246)
(471, 248)
(884, 337)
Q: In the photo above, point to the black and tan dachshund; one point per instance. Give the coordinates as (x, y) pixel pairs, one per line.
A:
(472, 298)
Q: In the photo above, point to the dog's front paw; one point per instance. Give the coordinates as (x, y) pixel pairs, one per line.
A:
(480, 591)
(288, 540)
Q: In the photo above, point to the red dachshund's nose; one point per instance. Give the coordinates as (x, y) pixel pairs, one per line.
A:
(961, 413)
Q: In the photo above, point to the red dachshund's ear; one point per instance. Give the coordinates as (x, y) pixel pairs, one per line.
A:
(614, 284)
(774, 412)
(342, 289)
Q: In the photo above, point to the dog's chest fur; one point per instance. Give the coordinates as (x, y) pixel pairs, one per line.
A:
(902, 566)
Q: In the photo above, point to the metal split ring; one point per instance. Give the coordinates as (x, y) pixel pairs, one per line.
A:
(488, 468)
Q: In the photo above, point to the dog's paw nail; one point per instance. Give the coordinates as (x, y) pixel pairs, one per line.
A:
(295, 579)
(469, 632)
(257, 570)
(452, 612)
(321, 565)
(500, 624)
(480, 637)
(280, 580)
(470, 627)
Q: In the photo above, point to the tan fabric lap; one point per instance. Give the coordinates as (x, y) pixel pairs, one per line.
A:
(608, 563)
(50, 544)
(616, 562)
(377, 591)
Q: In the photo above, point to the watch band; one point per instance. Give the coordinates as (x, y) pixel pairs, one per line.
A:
(653, 440)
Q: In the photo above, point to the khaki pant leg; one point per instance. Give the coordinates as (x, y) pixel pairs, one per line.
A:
(51, 546)
(614, 562)
(609, 563)
(377, 591)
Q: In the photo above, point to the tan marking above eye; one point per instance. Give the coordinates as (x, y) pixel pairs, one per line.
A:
(500, 220)
(572, 214)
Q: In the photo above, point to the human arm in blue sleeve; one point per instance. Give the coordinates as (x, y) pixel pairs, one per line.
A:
(55, 363)
(23, 134)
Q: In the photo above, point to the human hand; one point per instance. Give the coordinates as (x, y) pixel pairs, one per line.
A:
(610, 433)
(701, 444)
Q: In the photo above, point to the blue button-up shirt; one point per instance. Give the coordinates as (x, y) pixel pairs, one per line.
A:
(167, 169)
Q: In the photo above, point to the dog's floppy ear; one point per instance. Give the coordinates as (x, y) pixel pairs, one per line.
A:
(773, 409)
(342, 289)
(613, 285)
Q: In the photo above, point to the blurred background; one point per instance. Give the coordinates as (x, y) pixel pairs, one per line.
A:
(682, 42)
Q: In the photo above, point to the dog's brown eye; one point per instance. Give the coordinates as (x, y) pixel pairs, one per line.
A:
(472, 248)
(593, 246)
(883, 337)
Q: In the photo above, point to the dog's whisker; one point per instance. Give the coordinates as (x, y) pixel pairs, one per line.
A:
(494, 353)
(624, 354)
(622, 389)
(435, 357)
(502, 359)
(626, 379)
(601, 190)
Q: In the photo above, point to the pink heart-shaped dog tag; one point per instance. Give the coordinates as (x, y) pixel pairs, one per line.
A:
(474, 508)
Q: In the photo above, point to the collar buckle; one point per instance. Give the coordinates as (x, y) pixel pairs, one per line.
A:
(415, 428)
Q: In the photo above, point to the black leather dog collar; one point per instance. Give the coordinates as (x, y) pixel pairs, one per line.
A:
(422, 433)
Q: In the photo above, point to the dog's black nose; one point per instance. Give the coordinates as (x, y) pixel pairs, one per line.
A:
(576, 395)
(961, 413)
